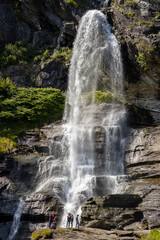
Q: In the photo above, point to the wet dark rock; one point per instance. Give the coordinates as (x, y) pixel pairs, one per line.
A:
(134, 26)
(54, 74)
(115, 211)
(11, 29)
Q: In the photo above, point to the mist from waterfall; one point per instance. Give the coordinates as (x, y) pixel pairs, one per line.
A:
(96, 53)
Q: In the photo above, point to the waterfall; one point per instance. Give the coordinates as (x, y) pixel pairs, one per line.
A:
(96, 53)
(16, 221)
(86, 158)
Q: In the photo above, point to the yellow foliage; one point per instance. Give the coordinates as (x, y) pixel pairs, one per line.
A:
(6, 144)
(42, 233)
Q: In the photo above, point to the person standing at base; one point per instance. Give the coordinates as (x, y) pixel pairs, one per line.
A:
(77, 221)
(68, 220)
(51, 218)
(72, 219)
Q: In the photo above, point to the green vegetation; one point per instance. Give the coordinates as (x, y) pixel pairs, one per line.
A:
(130, 3)
(154, 235)
(7, 87)
(22, 53)
(25, 108)
(157, 15)
(42, 234)
(17, 8)
(142, 22)
(6, 144)
(19, 53)
(75, 3)
(122, 10)
(101, 97)
(145, 55)
(63, 54)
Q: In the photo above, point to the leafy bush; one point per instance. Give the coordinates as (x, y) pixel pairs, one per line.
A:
(42, 233)
(32, 104)
(7, 87)
(63, 54)
(154, 235)
(145, 55)
(19, 53)
(27, 108)
(101, 97)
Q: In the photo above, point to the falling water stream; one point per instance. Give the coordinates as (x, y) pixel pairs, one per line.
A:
(88, 159)
(16, 221)
(96, 52)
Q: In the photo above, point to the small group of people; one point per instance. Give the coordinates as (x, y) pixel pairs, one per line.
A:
(52, 221)
(70, 220)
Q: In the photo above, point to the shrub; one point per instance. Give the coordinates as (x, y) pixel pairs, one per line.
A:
(32, 104)
(19, 53)
(7, 87)
(101, 97)
(63, 54)
(42, 233)
(145, 55)
(27, 108)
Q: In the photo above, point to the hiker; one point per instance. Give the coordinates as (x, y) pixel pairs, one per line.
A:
(77, 221)
(72, 219)
(53, 225)
(51, 218)
(68, 220)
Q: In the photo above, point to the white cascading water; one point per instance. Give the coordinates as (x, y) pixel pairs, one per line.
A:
(75, 169)
(16, 221)
(95, 52)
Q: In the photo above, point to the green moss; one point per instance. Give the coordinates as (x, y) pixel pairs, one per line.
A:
(142, 22)
(154, 235)
(42, 234)
(101, 97)
(7, 144)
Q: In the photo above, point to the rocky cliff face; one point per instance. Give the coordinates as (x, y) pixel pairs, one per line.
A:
(54, 23)
(139, 209)
(137, 26)
(45, 23)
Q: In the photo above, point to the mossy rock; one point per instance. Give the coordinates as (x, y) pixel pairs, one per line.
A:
(42, 234)
(154, 235)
